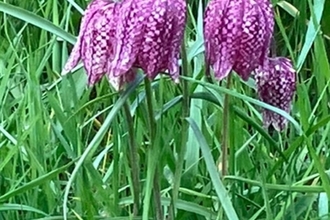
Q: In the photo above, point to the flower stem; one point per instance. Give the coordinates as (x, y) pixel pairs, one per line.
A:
(225, 130)
(157, 195)
(153, 154)
(152, 122)
(184, 134)
(134, 160)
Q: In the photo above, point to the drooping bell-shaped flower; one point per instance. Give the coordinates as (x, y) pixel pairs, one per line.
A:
(148, 36)
(163, 38)
(276, 86)
(93, 44)
(116, 37)
(237, 35)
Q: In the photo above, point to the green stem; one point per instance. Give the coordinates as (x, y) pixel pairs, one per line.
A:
(184, 134)
(225, 130)
(115, 180)
(157, 195)
(134, 160)
(152, 122)
(153, 152)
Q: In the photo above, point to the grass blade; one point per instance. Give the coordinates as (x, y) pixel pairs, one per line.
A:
(217, 184)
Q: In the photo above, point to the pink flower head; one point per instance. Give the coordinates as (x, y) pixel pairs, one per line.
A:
(93, 44)
(276, 86)
(148, 36)
(117, 37)
(163, 36)
(237, 35)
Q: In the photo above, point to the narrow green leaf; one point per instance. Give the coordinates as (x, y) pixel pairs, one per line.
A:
(35, 182)
(36, 20)
(19, 207)
(215, 177)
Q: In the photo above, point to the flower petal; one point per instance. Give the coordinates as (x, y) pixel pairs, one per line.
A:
(129, 34)
(162, 38)
(152, 56)
(177, 12)
(118, 81)
(90, 12)
(237, 36)
(222, 23)
(97, 46)
(266, 9)
(252, 39)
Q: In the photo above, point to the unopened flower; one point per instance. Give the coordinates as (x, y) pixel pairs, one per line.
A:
(237, 35)
(115, 38)
(276, 86)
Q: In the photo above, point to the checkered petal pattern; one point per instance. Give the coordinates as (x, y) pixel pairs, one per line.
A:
(116, 37)
(237, 35)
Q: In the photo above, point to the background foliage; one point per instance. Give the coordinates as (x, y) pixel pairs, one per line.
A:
(64, 148)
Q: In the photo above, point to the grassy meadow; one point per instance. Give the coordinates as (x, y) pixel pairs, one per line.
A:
(69, 151)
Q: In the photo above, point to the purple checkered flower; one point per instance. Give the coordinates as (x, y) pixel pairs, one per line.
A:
(276, 86)
(93, 44)
(116, 37)
(237, 35)
(149, 35)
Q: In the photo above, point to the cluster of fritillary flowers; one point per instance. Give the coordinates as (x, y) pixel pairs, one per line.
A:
(118, 37)
(242, 32)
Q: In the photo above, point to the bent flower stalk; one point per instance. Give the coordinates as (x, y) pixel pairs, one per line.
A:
(116, 37)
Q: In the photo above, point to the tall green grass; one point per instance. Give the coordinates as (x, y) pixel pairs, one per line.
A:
(66, 150)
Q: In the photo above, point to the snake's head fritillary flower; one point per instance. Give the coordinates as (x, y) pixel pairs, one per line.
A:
(93, 44)
(148, 36)
(276, 85)
(116, 37)
(237, 35)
